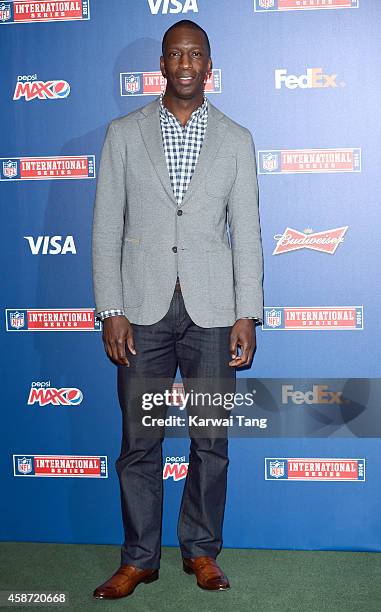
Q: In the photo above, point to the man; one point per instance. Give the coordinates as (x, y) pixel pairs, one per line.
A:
(172, 290)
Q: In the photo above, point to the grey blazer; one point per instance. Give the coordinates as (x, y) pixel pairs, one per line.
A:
(142, 239)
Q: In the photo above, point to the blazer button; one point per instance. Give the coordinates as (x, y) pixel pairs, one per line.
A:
(174, 249)
(179, 212)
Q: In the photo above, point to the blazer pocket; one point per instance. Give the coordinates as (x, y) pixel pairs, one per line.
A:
(133, 272)
(221, 176)
(221, 278)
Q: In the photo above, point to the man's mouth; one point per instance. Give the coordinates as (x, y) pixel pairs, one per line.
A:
(186, 79)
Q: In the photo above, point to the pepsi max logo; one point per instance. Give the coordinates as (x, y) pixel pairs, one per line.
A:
(176, 470)
(43, 90)
(67, 396)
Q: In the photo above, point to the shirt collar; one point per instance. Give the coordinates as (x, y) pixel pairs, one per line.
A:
(197, 115)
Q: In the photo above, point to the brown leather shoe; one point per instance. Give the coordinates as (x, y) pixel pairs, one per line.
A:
(124, 581)
(209, 575)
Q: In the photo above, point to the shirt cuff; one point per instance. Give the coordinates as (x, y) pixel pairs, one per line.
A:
(112, 312)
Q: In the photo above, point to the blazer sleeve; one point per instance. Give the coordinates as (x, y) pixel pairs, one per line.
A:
(245, 233)
(108, 223)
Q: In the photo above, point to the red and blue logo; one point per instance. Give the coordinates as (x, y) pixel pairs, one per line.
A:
(175, 468)
(299, 161)
(327, 318)
(261, 6)
(50, 319)
(67, 396)
(60, 465)
(286, 468)
(153, 83)
(47, 168)
(26, 11)
(29, 88)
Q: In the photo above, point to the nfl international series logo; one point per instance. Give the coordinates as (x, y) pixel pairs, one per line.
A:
(153, 83)
(276, 468)
(298, 161)
(302, 5)
(24, 11)
(270, 161)
(24, 465)
(132, 83)
(17, 319)
(5, 12)
(273, 318)
(61, 465)
(50, 319)
(313, 317)
(45, 168)
(315, 469)
(10, 168)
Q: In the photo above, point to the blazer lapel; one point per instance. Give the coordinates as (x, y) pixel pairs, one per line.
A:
(152, 137)
(213, 138)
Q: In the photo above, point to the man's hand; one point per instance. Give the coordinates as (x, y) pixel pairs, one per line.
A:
(242, 334)
(117, 331)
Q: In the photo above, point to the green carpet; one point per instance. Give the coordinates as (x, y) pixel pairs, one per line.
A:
(261, 580)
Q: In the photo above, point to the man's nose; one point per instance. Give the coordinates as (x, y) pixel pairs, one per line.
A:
(185, 60)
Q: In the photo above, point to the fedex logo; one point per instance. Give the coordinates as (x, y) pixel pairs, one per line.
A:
(320, 394)
(314, 78)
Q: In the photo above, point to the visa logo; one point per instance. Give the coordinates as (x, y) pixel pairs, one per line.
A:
(172, 6)
(51, 245)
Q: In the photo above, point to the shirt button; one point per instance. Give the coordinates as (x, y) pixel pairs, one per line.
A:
(180, 212)
(174, 249)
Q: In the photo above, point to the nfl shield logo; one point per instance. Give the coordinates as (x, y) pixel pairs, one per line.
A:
(266, 3)
(270, 162)
(24, 465)
(5, 12)
(274, 318)
(177, 397)
(17, 319)
(10, 169)
(276, 469)
(132, 83)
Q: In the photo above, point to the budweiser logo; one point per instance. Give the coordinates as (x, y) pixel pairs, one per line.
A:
(326, 241)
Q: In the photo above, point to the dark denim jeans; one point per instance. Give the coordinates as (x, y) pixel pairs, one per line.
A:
(202, 354)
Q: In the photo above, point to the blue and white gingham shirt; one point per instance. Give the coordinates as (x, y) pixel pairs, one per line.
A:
(182, 146)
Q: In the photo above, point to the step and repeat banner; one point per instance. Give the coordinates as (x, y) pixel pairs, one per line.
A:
(304, 77)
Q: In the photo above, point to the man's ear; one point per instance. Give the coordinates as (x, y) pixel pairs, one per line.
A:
(208, 74)
(162, 66)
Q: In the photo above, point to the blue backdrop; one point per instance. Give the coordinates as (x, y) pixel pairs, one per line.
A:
(307, 85)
